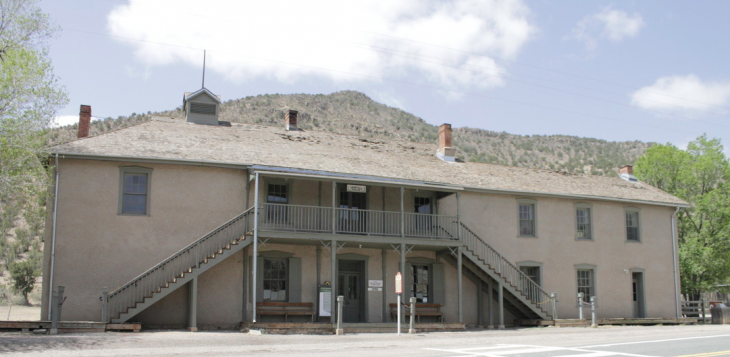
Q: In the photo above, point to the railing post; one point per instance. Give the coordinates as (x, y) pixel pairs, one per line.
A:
(105, 305)
(554, 303)
(580, 306)
(702, 306)
(593, 312)
(412, 328)
(340, 301)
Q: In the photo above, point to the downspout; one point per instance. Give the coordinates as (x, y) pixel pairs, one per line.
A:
(53, 242)
(255, 247)
(675, 258)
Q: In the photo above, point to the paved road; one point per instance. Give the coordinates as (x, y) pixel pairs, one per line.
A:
(631, 341)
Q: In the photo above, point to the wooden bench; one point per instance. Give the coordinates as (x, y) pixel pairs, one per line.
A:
(422, 309)
(285, 309)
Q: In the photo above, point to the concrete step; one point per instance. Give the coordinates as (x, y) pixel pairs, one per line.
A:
(572, 323)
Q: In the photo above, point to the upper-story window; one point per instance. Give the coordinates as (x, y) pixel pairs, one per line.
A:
(134, 191)
(279, 194)
(633, 232)
(526, 211)
(583, 222)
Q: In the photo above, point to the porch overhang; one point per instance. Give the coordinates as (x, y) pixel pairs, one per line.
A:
(357, 241)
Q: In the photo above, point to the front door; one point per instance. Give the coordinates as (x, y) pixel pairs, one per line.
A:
(637, 287)
(350, 285)
(350, 217)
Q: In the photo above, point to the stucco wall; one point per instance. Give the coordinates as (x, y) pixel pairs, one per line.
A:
(494, 218)
(97, 248)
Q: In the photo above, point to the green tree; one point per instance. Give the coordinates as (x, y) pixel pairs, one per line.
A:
(699, 176)
(24, 275)
(29, 99)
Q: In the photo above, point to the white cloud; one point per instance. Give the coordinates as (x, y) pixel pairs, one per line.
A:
(390, 99)
(610, 24)
(355, 41)
(683, 95)
(63, 120)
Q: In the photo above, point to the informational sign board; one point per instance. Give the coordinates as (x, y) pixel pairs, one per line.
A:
(325, 301)
(375, 285)
(356, 188)
(398, 283)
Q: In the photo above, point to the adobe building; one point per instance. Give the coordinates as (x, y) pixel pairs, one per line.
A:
(195, 223)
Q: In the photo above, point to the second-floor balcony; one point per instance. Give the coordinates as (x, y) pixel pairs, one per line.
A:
(329, 220)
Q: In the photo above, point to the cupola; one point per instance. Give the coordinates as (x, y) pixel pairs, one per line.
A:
(201, 107)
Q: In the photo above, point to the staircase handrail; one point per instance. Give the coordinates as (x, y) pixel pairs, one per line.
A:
(135, 281)
(533, 292)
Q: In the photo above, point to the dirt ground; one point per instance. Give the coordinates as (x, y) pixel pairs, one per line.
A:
(20, 313)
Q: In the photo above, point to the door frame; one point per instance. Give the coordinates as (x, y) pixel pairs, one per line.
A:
(640, 293)
(363, 283)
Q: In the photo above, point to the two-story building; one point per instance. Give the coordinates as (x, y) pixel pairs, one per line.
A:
(189, 222)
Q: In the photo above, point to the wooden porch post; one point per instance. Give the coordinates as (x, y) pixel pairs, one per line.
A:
(403, 267)
(319, 280)
(255, 248)
(193, 305)
(461, 285)
(334, 213)
(383, 254)
(500, 298)
(480, 303)
(490, 307)
(402, 216)
(333, 283)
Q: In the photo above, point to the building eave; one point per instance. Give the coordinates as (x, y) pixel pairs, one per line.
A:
(326, 175)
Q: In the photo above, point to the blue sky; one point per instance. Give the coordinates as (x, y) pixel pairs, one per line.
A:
(652, 70)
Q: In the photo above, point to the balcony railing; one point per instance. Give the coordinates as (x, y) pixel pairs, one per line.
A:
(283, 217)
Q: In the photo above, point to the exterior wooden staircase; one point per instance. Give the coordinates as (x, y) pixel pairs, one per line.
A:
(177, 270)
(523, 297)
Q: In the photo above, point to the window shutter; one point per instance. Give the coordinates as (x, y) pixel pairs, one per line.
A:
(295, 280)
(439, 289)
(260, 279)
(407, 283)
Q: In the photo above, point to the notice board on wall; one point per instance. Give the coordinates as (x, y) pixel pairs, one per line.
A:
(325, 301)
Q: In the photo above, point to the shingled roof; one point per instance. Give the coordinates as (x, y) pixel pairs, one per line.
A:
(246, 144)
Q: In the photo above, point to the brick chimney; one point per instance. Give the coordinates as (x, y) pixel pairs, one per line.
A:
(446, 151)
(626, 172)
(84, 121)
(291, 119)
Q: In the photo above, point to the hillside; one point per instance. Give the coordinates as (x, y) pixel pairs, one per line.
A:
(354, 113)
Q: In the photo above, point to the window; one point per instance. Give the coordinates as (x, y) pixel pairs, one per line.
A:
(275, 279)
(420, 286)
(279, 195)
(632, 225)
(526, 217)
(586, 283)
(583, 222)
(134, 188)
(532, 272)
(423, 221)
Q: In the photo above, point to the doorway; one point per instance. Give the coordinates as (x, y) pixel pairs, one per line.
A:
(637, 287)
(351, 220)
(351, 285)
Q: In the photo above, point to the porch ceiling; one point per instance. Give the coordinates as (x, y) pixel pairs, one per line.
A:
(359, 241)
